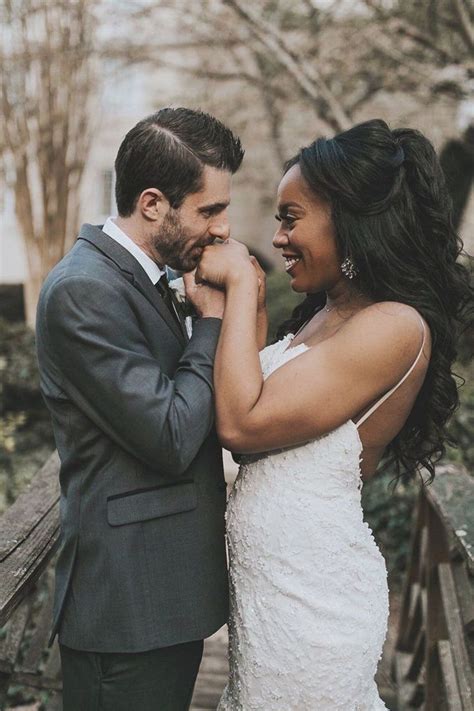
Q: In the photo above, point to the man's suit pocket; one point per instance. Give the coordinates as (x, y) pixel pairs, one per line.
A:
(156, 502)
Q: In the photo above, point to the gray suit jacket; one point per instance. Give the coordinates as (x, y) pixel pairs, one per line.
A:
(142, 559)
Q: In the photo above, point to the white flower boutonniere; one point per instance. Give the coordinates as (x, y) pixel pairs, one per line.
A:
(177, 285)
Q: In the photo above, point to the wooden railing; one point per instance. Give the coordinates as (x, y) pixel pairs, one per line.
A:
(29, 532)
(434, 659)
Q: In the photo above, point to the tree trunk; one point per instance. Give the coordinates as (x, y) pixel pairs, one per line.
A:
(47, 67)
(31, 290)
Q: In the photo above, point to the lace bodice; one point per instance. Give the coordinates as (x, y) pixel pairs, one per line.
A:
(342, 444)
(309, 600)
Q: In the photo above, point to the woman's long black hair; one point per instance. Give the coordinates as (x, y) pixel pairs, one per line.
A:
(392, 217)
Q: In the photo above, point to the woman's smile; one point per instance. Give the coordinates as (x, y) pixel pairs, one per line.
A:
(291, 260)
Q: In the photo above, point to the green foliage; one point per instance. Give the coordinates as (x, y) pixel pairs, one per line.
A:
(26, 436)
(281, 301)
(389, 512)
(462, 424)
(18, 368)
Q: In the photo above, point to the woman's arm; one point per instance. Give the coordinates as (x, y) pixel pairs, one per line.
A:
(262, 316)
(238, 376)
(313, 393)
(262, 328)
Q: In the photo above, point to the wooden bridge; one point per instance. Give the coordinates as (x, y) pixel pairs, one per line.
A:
(433, 660)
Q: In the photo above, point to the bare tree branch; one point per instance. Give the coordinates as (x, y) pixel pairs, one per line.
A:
(311, 84)
(465, 25)
(402, 26)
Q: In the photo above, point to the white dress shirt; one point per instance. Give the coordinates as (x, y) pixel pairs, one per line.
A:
(151, 267)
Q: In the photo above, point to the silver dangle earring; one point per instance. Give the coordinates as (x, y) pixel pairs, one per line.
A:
(349, 269)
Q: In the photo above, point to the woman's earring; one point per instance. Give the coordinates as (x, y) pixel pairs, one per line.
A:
(348, 268)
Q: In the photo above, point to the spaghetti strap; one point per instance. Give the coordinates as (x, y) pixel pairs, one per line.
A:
(379, 402)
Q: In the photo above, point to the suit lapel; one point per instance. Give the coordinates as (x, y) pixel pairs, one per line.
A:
(136, 274)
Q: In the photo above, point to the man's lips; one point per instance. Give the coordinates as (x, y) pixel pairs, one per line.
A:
(200, 247)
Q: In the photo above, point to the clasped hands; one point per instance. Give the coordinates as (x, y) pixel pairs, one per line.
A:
(221, 266)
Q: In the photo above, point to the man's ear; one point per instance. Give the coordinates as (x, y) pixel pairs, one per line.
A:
(153, 205)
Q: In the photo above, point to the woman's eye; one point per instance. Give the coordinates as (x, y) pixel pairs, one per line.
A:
(286, 220)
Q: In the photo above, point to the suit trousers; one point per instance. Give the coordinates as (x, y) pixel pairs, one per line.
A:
(158, 680)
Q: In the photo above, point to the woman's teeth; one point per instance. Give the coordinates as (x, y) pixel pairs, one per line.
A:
(290, 262)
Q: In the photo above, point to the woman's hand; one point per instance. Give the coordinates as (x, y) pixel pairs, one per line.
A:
(262, 283)
(221, 264)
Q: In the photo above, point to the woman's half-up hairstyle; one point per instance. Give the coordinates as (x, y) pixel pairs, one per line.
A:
(392, 217)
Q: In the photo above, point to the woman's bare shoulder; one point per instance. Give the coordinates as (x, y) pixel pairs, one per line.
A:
(385, 332)
(389, 317)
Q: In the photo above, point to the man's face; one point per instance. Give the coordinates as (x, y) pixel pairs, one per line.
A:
(201, 218)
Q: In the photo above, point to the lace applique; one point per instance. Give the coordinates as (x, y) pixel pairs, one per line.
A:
(309, 598)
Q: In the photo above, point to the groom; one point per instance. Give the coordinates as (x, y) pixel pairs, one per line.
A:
(141, 576)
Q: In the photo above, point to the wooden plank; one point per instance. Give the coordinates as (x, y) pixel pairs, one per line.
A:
(29, 531)
(413, 574)
(465, 592)
(409, 692)
(452, 614)
(401, 665)
(10, 645)
(452, 494)
(448, 673)
(36, 644)
(37, 681)
(52, 667)
(418, 656)
(213, 673)
(33, 504)
(55, 702)
(411, 625)
(20, 570)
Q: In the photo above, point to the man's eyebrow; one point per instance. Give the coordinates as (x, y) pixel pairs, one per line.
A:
(215, 207)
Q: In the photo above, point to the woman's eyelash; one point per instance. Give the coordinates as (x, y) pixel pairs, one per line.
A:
(285, 218)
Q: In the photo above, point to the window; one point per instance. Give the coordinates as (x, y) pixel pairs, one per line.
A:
(108, 203)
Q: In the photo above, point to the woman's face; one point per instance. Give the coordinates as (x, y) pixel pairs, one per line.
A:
(306, 236)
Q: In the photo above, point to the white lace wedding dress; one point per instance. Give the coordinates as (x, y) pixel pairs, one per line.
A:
(309, 598)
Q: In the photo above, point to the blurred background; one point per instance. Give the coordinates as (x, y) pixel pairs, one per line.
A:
(76, 75)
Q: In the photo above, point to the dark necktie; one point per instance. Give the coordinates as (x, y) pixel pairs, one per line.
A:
(166, 294)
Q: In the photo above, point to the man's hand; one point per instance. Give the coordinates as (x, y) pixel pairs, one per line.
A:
(208, 301)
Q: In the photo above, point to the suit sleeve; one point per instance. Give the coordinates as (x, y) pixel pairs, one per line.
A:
(108, 371)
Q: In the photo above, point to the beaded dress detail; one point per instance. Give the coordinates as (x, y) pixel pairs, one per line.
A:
(309, 597)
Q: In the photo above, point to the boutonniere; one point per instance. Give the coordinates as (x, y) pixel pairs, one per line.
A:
(177, 285)
(179, 290)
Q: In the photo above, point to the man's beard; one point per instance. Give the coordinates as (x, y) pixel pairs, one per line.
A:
(171, 243)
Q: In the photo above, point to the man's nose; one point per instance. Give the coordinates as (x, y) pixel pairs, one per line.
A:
(220, 228)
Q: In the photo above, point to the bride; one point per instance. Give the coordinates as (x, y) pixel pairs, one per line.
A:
(365, 370)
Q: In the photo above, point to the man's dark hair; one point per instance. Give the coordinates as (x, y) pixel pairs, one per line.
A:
(168, 151)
